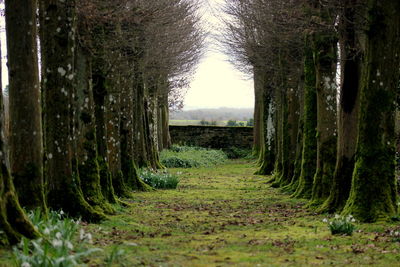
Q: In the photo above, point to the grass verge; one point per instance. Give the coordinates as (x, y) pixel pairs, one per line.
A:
(191, 157)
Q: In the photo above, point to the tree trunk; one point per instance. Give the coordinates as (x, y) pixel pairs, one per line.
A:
(13, 220)
(100, 93)
(258, 112)
(292, 186)
(88, 167)
(350, 62)
(58, 49)
(325, 57)
(309, 154)
(373, 193)
(128, 166)
(141, 157)
(151, 122)
(113, 121)
(267, 155)
(26, 145)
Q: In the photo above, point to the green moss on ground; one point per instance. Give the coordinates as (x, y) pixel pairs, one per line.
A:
(225, 215)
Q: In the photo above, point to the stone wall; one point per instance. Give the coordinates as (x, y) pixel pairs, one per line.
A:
(212, 136)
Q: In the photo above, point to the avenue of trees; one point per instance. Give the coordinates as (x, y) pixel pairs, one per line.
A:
(91, 105)
(326, 77)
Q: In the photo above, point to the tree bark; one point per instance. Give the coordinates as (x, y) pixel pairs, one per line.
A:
(350, 62)
(13, 220)
(58, 51)
(309, 154)
(373, 193)
(100, 93)
(88, 167)
(26, 145)
(325, 58)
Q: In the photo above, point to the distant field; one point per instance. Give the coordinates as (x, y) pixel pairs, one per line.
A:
(197, 122)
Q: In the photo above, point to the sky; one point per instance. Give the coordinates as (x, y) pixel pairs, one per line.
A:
(216, 83)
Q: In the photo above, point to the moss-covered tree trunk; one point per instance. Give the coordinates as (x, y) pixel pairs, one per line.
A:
(113, 121)
(347, 132)
(258, 111)
(289, 131)
(266, 154)
(278, 123)
(88, 167)
(325, 57)
(373, 193)
(141, 157)
(26, 145)
(13, 220)
(165, 138)
(128, 166)
(151, 122)
(99, 94)
(309, 153)
(58, 51)
(291, 187)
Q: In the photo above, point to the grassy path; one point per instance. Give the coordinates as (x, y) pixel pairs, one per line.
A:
(225, 216)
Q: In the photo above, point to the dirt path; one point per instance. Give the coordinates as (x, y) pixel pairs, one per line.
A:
(226, 216)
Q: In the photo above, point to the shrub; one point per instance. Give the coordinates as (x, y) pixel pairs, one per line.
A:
(231, 123)
(237, 153)
(341, 225)
(250, 122)
(191, 157)
(159, 179)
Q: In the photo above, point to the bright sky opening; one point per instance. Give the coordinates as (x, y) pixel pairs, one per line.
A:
(216, 82)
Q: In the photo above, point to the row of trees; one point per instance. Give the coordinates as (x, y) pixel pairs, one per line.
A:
(100, 107)
(326, 77)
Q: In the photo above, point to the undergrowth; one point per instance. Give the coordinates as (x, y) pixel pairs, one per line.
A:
(159, 179)
(191, 157)
(63, 243)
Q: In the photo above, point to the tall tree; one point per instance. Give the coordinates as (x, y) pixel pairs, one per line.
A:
(58, 54)
(373, 194)
(350, 19)
(309, 153)
(26, 146)
(13, 220)
(325, 60)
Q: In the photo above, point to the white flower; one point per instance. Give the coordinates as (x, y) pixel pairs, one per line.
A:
(69, 245)
(325, 220)
(26, 264)
(61, 212)
(337, 216)
(58, 235)
(46, 231)
(82, 234)
(396, 233)
(89, 237)
(57, 243)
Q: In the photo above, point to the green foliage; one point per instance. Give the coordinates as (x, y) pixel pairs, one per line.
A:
(58, 245)
(250, 122)
(208, 123)
(191, 157)
(116, 255)
(159, 179)
(341, 225)
(238, 153)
